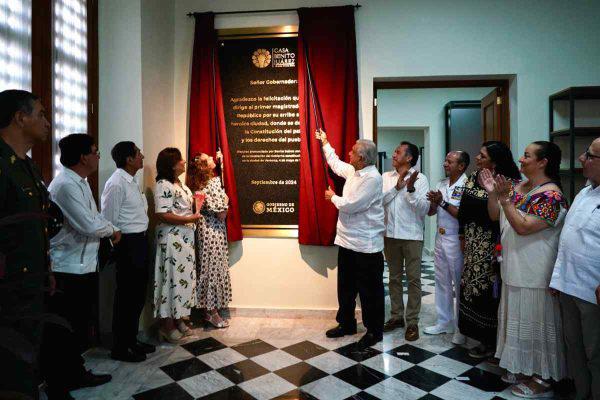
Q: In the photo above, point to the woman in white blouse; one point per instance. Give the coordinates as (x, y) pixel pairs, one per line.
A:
(175, 269)
(531, 214)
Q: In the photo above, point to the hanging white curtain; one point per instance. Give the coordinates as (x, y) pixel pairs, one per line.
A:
(69, 71)
(15, 44)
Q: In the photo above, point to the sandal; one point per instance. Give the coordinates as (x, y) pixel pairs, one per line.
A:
(526, 390)
(183, 328)
(514, 379)
(481, 352)
(173, 336)
(216, 321)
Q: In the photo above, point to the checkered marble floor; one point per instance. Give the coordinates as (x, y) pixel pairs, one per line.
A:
(277, 358)
(307, 370)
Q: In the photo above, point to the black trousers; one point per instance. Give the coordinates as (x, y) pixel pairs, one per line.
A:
(130, 294)
(75, 301)
(61, 363)
(362, 274)
(57, 354)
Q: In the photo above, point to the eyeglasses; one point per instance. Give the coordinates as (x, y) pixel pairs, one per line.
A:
(589, 156)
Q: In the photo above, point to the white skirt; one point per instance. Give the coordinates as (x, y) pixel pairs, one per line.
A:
(530, 338)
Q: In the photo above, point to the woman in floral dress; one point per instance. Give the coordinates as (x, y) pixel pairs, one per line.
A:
(175, 268)
(480, 281)
(214, 284)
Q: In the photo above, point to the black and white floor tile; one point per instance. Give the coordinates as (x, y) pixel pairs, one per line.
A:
(291, 359)
(306, 370)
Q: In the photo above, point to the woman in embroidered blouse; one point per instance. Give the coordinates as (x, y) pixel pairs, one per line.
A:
(175, 263)
(214, 284)
(479, 287)
(531, 213)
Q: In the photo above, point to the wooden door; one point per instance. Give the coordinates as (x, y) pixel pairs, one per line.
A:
(494, 116)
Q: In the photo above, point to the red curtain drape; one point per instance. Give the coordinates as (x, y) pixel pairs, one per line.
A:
(207, 121)
(326, 49)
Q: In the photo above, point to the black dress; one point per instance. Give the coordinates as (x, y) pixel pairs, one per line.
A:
(480, 282)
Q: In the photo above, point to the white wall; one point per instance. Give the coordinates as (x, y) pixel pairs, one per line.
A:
(120, 78)
(158, 29)
(136, 80)
(549, 45)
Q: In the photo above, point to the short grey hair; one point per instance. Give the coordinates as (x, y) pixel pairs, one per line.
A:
(367, 150)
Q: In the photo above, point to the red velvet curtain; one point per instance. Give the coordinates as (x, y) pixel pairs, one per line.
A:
(326, 49)
(207, 121)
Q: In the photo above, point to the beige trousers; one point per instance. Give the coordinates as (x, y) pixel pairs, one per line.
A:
(404, 255)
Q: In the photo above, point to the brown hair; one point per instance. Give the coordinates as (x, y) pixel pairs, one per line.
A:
(166, 160)
(198, 173)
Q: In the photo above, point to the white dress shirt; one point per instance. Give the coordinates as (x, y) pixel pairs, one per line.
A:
(405, 212)
(360, 220)
(577, 267)
(123, 203)
(74, 249)
(452, 195)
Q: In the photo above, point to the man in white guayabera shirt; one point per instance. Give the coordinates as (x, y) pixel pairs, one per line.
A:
(74, 250)
(360, 240)
(576, 280)
(448, 257)
(405, 204)
(124, 205)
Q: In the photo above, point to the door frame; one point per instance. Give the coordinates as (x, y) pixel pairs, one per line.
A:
(445, 82)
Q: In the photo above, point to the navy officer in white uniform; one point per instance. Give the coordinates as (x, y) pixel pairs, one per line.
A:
(448, 257)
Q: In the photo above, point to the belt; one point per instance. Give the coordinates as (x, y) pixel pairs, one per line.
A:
(135, 234)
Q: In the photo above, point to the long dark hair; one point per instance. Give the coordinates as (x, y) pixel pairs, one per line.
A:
(166, 160)
(501, 155)
(551, 152)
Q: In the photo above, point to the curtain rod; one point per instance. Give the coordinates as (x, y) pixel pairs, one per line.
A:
(191, 14)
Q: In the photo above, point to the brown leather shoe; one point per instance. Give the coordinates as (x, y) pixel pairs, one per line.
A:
(393, 324)
(412, 333)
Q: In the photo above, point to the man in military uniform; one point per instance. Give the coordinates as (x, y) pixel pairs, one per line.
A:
(24, 262)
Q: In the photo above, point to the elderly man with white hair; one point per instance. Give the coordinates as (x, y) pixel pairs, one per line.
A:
(360, 230)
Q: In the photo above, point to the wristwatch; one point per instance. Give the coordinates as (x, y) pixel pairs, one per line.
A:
(410, 190)
(444, 204)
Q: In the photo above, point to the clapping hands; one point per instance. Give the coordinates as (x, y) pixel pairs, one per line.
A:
(435, 197)
(502, 187)
(498, 185)
(486, 180)
(409, 183)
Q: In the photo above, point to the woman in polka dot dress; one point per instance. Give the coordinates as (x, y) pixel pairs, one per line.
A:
(212, 259)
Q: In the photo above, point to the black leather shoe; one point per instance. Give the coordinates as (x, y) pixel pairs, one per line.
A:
(89, 380)
(128, 355)
(369, 340)
(141, 347)
(340, 331)
(393, 324)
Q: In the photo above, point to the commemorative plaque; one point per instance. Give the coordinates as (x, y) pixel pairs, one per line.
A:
(259, 79)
